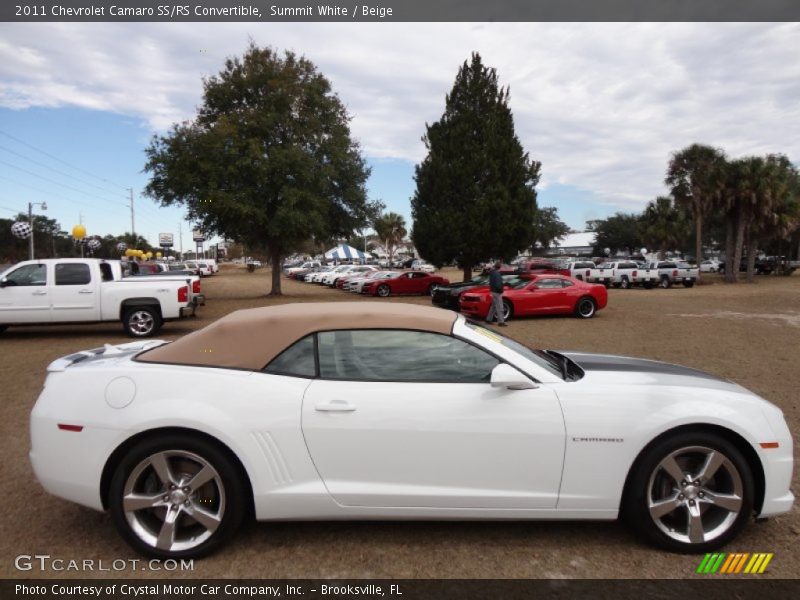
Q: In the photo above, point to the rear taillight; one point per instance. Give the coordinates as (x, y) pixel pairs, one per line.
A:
(196, 287)
(588, 272)
(675, 273)
(635, 274)
(183, 294)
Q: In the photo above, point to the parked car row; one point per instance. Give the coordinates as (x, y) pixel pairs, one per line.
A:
(370, 280)
(628, 273)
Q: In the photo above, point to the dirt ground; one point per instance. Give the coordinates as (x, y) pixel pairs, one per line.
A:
(749, 333)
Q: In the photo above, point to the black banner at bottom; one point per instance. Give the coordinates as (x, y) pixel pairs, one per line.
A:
(399, 589)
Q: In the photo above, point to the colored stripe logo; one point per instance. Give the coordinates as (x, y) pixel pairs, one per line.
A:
(738, 562)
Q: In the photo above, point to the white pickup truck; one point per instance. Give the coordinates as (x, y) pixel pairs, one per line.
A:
(585, 270)
(664, 273)
(74, 290)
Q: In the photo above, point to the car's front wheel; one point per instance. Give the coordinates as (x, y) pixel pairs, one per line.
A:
(383, 290)
(176, 497)
(690, 493)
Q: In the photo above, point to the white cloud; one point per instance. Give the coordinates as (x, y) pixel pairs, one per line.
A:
(601, 105)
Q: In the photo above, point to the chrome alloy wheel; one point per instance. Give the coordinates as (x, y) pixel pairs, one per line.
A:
(141, 322)
(695, 494)
(174, 500)
(586, 308)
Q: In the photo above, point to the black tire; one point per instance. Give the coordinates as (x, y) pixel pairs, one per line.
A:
(688, 284)
(648, 285)
(508, 310)
(3, 328)
(648, 477)
(228, 476)
(665, 283)
(625, 283)
(141, 321)
(431, 287)
(383, 290)
(585, 308)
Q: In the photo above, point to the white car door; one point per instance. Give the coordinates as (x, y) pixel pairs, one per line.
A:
(403, 418)
(74, 294)
(25, 295)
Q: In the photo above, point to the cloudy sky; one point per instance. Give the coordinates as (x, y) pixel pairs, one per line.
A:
(602, 106)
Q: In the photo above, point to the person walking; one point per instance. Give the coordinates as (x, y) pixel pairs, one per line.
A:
(496, 288)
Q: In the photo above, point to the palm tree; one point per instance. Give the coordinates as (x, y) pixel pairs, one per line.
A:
(391, 230)
(695, 176)
(663, 225)
(776, 211)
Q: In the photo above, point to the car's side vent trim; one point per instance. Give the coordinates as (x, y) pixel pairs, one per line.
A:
(272, 453)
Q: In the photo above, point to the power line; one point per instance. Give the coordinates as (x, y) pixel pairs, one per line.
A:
(52, 196)
(41, 164)
(74, 189)
(63, 162)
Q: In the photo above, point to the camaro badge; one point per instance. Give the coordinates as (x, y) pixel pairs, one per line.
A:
(597, 439)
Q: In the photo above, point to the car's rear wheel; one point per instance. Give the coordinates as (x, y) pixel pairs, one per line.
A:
(691, 493)
(665, 282)
(585, 308)
(141, 321)
(625, 283)
(383, 290)
(177, 497)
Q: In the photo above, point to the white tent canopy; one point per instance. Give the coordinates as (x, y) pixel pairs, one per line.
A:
(345, 252)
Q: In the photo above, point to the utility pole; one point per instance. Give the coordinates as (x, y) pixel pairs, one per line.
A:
(180, 237)
(30, 222)
(133, 224)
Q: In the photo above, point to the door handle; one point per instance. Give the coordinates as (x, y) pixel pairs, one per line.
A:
(86, 292)
(335, 406)
(39, 293)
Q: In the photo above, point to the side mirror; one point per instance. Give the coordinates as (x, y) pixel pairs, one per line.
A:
(506, 376)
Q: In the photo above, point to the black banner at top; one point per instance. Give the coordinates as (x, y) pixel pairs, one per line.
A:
(398, 10)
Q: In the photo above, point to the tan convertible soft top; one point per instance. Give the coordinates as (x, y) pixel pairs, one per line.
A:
(251, 338)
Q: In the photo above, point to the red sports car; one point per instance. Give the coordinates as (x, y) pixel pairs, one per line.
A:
(410, 282)
(539, 295)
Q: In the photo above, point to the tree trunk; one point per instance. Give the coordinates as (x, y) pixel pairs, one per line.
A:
(276, 274)
(751, 256)
(737, 253)
(698, 247)
(467, 271)
(730, 244)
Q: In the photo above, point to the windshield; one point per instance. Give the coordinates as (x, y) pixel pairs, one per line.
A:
(538, 357)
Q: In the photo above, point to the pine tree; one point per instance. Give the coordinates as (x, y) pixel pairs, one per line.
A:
(475, 195)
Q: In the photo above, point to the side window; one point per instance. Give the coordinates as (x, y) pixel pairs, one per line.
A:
(549, 284)
(297, 359)
(28, 275)
(566, 283)
(72, 274)
(401, 355)
(106, 272)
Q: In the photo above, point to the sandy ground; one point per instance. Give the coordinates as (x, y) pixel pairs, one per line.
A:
(748, 333)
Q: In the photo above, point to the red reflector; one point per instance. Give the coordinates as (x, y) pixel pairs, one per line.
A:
(196, 286)
(65, 427)
(767, 445)
(183, 294)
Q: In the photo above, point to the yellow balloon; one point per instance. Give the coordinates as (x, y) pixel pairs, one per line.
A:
(129, 252)
(79, 232)
(158, 254)
(149, 255)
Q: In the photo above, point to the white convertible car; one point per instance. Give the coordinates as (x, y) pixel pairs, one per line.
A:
(393, 411)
